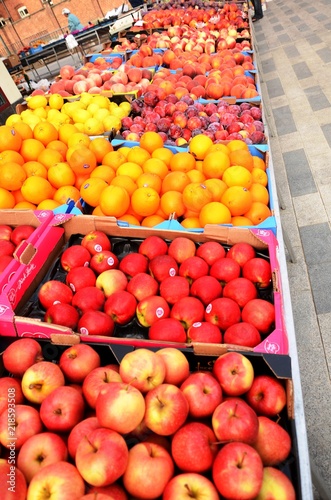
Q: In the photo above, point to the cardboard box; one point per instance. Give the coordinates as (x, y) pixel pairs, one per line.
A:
(12, 61)
(27, 319)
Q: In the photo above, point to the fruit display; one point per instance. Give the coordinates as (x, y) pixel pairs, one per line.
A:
(151, 425)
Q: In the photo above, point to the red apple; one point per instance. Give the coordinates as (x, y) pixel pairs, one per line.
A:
(77, 434)
(153, 246)
(6, 247)
(166, 409)
(193, 268)
(120, 407)
(111, 281)
(275, 485)
(96, 323)
(241, 290)
(174, 288)
(238, 471)
(10, 392)
(193, 447)
(258, 271)
(142, 369)
(41, 379)
(20, 355)
(102, 457)
(206, 289)
(60, 480)
(80, 277)
(96, 381)
(152, 309)
(243, 334)
(115, 491)
(142, 285)
(234, 372)
(77, 361)
(62, 409)
(102, 261)
(267, 396)
(181, 248)
(133, 263)
(163, 266)
(121, 307)
(223, 312)
(87, 299)
(261, 314)
(12, 481)
(273, 442)
(5, 232)
(54, 292)
(21, 233)
(211, 251)
(150, 468)
(96, 241)
(225, 270)
(177, 366)
(190, 485)
(62, 314)
(5, 260)
(188, 310)
(39, 451)
(75, 256)
(205, 332)
(18, 425)
(203, 393)
(169, 330)
(235, 420)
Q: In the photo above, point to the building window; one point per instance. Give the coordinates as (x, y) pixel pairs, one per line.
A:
(2, 22)
(23, 12)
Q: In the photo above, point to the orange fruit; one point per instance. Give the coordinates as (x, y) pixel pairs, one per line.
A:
(78, 139)
(196, 176)
(23, 129)
(35, 168)
(215, 164)
(45, 132)
(49, 158)
(130, 169)
(219, 147)
(104, 172)
(240, 220)
(12, 176)
(145, 201)
(175, 181)
(217, 187)
(59, 146)
(126, 182)
(82, 161)
(130, 211)
(172, 203)
(152, 220)
(155, 166)
(138, 155)
(114, 159)
(9, 156)
(237, 199)
(237, 144)
(150, 180)
(36, 189)
(66, 131)
(61, 174)
(151, 141)
(259, 163)
(237, 176)
(243, 158)
(114, 201)
(191, 223)
(18, 195)
(97, 211)
(164, 154)
(100, 147)
(31, 149)
(214, 213)
(182, 161)
(9, 139)
(130, 219)
(48, 205)
(259, 193)
(65, 193)
(91, 190)
(199, 146)
(259, 176)
(124, 150)
(7, 199)
(24, 205)
(196, 195)
(258, 212)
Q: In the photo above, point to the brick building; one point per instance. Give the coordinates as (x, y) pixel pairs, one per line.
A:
(23, 22)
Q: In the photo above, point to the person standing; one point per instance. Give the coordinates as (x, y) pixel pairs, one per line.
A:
(74, 23)
(258, 12)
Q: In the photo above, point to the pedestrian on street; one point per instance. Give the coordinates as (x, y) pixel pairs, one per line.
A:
(258, 12)
(74, 23)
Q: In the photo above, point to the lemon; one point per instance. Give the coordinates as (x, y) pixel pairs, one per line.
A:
(93, 108)
(41, 112)
(126, 106)
(86, 98)
(81, 115)
(36, 101)
(102, 101)
(13, 119)
(56, 101)
(112, 122)
(119, 112)
(101, 114)
(92, 126)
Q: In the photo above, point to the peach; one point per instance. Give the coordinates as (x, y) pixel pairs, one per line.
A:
(198, 91)
(237, 90)
(136, 60)
(145, 50)
(135, 75)
(214, 90)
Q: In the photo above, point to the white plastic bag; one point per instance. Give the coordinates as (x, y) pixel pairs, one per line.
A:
(71, 42)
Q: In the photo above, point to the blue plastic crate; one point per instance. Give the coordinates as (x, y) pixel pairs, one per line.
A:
(107, 57)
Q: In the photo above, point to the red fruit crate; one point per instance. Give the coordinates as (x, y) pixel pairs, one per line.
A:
(26, 318)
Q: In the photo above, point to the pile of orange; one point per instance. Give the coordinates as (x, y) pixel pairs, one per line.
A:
(143, 185)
